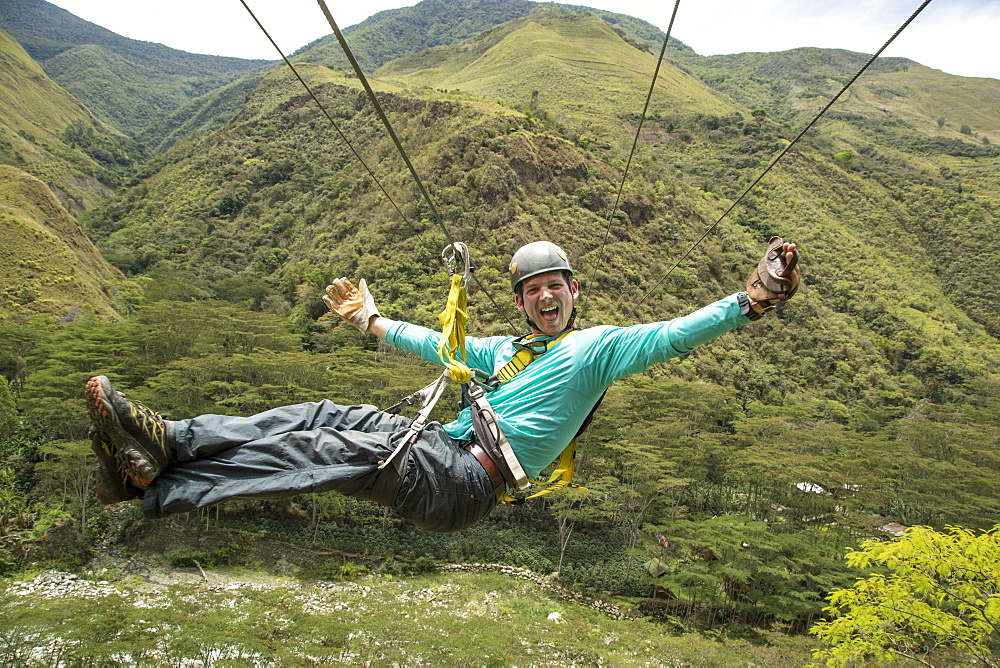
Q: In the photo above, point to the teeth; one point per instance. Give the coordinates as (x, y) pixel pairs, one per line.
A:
(550, 308)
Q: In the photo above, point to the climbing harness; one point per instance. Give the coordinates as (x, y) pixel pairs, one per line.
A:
(477, 384)
(485, 420)
(528, 350)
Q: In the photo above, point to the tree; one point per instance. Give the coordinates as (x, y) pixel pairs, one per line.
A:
(844, 158)
(67, 470)
(941, 593)
(590, 505)
(644, 477)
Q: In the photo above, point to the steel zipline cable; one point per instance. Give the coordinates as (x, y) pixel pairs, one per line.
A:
(780, 155)
(378, 107)
(635, 141)
(399, 146)
(321, 107)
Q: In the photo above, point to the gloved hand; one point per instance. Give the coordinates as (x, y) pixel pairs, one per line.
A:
(354, 304)
(776, 278)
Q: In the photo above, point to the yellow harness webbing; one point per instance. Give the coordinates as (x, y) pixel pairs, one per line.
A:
(523, 357)
(451, 350)
(562, 476)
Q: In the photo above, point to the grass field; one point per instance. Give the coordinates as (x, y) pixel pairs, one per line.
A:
(239, 618)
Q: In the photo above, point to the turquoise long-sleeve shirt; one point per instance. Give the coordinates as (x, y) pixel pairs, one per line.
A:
(543, 406)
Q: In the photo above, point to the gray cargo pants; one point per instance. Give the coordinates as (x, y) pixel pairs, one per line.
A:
(317, 447)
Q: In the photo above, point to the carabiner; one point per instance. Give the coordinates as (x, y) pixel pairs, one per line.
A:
(459, 253)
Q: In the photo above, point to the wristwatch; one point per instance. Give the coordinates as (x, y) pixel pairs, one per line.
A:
(747, 309)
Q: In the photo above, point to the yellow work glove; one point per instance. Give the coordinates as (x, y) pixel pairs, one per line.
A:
(354, 304)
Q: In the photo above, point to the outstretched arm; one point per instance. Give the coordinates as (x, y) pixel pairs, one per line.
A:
(379, 326)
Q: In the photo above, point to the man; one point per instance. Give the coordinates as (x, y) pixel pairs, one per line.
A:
(453, 474)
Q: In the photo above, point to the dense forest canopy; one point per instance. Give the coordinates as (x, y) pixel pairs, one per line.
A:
(221, 211)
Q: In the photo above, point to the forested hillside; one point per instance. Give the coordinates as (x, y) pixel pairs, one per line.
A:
(723, 487)
(49, 266)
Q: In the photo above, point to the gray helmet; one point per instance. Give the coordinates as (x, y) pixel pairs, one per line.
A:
(536, 258)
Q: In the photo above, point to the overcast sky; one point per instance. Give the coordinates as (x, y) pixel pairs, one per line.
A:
(957, 36)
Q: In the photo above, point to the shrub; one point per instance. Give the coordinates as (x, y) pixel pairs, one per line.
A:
(187, 557)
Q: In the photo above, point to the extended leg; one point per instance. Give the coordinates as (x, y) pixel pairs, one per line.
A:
(208, 435)
(445, 489)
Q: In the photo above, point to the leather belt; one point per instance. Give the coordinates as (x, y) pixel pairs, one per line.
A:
(491, 468)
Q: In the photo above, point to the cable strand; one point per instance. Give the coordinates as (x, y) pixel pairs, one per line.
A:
(779, 156)
(323, 109)
(635, 141)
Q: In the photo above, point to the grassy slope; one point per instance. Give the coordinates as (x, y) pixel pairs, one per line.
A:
(573, 66)
(49, 264)
(126, 82)
(35, 114)
(921, 95)
(796, 83)
(440, 619)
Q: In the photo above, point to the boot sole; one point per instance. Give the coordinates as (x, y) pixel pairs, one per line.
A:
(138, 464)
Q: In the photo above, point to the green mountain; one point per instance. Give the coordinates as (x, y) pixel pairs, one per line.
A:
(570, 64)
(127, 83)
(395, 33)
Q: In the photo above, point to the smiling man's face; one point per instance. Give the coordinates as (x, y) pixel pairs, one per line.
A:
(547, 299)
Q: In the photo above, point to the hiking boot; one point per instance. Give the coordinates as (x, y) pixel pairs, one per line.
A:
(113, 484)
(138, 436)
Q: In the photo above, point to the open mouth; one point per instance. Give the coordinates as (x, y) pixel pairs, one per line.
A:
(550, 314)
